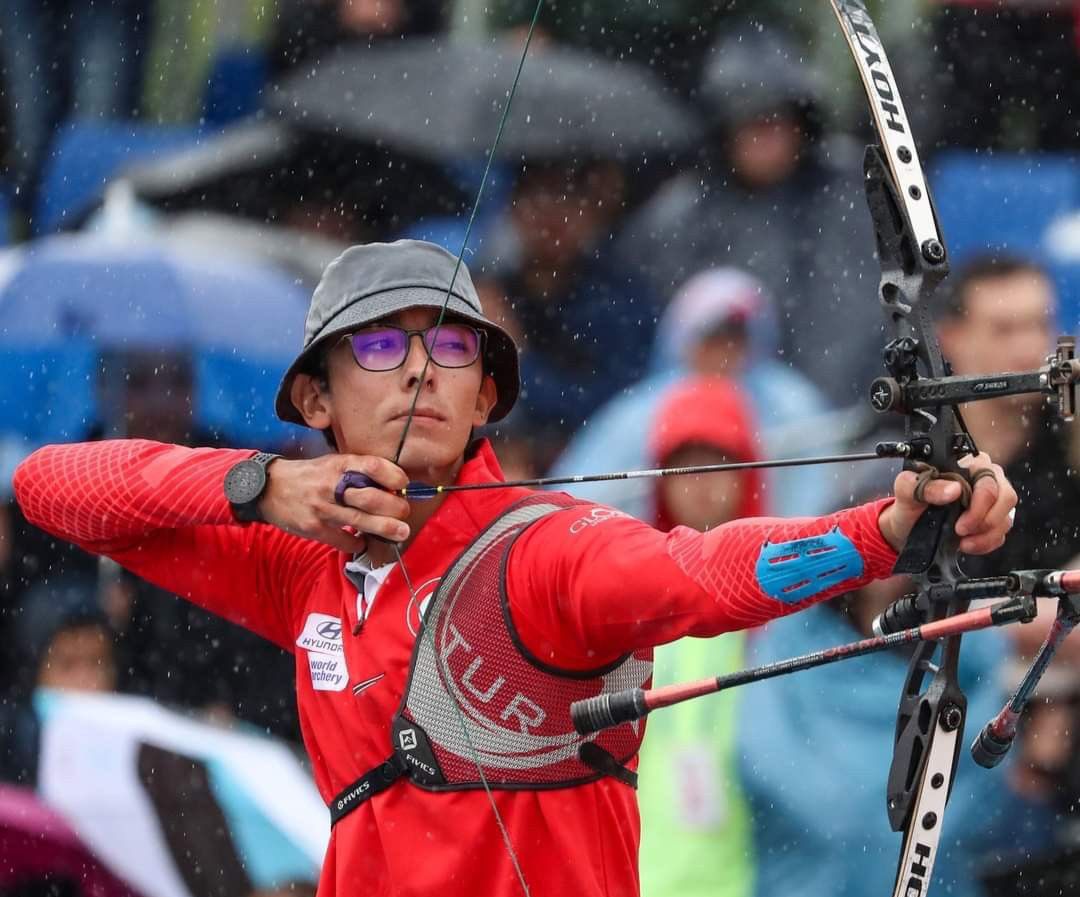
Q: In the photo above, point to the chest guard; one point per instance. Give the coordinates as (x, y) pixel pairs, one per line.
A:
(513, 710)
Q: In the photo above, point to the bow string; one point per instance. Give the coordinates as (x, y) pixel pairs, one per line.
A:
(458, 712)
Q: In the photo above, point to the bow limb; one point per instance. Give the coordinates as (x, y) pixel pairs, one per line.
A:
(913, 263)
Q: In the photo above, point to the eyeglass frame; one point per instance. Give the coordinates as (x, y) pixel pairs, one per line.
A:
(409, 334)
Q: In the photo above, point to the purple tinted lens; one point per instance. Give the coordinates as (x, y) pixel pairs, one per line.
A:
(380, 349)
(385, 348)
(452, 345)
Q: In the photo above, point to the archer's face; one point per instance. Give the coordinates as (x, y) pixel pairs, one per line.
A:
(367, 410)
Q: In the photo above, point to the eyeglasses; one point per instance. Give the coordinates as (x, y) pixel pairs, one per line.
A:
(386, 348)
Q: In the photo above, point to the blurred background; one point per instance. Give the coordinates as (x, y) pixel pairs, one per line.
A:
(673, 227)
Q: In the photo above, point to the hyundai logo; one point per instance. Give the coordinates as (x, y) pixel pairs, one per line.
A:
(330, 630)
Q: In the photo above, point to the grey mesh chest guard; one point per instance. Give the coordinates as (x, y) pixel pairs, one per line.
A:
(515, 709)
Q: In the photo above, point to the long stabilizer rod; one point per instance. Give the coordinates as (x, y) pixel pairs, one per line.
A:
(606, 710)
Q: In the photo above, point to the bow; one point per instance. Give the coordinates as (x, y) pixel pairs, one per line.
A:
(931, 715)
(918, 385)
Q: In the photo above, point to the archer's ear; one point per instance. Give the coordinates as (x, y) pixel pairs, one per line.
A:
(311, 397)
(485, 401)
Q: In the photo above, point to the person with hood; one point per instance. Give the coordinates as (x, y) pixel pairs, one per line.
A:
(440, 641)
(813, 753)
(771, 194)
(548, 264)
(695, 823)
(721, 322)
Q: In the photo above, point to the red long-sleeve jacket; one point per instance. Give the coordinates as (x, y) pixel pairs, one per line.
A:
(584, 587)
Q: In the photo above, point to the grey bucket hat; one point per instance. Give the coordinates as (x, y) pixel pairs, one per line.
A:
(366, 283)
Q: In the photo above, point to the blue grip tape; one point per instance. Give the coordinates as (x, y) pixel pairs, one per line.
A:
(794, 571)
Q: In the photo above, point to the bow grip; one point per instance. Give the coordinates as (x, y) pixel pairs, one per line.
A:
(921, 548)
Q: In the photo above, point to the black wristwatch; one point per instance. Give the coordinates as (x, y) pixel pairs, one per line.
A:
(244, 485)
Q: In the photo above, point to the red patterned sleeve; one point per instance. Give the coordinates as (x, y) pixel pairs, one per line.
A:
(589, 584)
(160, 511)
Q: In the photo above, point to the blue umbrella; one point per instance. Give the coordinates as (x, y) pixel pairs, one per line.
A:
(66, 300)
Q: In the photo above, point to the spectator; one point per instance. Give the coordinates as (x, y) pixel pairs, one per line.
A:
(586, 323)
(64, 642)
(99, 48)
(721, 323)
(1008, 74)
(307, 29)
(772, 195)
(167, 649)
(999, 315)
(171, 650)
(695, 826)
(813, 751)
(205, 63)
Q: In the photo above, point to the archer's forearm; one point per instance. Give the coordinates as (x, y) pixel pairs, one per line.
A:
(102, 495)
(590, 585)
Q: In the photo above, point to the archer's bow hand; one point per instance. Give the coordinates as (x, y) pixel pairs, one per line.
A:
(982, 526)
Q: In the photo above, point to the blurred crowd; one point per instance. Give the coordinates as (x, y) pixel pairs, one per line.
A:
(674, 228)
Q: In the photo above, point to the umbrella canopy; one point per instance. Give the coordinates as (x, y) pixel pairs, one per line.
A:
(410, 95)
(66, 301)
(442, 98)
(173, 804)
(286, 173)
(36, 843)
(121, 295)
(571, 104)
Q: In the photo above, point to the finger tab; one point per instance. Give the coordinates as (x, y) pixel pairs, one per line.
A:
(351, 479)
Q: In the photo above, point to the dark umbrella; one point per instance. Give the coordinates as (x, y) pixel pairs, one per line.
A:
(36, 844)
(411, 95)
(291, 176)
(571, 104)
(443, 98)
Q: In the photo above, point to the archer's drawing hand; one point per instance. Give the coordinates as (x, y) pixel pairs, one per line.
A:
(300, 499)
(982, 527)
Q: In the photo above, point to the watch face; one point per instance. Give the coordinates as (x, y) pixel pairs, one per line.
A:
(244, 482)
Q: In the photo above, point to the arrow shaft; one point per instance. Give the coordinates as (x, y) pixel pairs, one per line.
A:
(884, 450)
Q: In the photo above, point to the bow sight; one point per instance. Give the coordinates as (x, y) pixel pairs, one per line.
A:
(904, 391)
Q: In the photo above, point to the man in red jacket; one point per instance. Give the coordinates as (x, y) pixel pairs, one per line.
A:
(528, 600)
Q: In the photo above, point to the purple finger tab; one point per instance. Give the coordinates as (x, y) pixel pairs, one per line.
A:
(351, 479)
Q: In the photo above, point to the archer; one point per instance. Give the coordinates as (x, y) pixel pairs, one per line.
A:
(440, 643)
